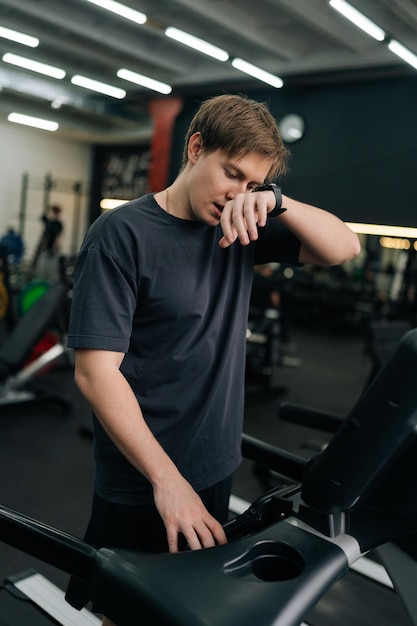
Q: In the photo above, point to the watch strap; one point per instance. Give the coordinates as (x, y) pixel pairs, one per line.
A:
(277, 210)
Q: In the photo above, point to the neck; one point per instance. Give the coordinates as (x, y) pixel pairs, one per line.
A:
(174, 202)
(167, 207)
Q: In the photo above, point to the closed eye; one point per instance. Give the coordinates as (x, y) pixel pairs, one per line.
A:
(239, 176)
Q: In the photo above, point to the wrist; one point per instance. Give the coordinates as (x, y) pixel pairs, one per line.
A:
(277, 210)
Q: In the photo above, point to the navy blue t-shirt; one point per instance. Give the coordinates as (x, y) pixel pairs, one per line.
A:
(161, 290)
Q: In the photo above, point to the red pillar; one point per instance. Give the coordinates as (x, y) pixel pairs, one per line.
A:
(163, 112)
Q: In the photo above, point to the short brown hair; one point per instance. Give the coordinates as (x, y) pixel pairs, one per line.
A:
(238, 125)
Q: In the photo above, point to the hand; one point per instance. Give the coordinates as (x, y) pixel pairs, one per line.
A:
(242, 216)
(183, 512)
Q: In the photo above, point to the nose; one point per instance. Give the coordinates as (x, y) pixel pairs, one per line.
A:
(235, 189)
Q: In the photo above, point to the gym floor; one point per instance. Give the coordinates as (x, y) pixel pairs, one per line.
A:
(47, 468)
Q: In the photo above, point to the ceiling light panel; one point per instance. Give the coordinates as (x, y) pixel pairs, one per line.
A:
(357, 18)
(99, 87)
(35, 122)
(197, 44)
(406, 55)
(14, 35)
(34, 66)
(121, 10)
(258, 73)
(144, 81)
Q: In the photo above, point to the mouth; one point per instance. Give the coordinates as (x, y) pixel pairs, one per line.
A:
(219, 208)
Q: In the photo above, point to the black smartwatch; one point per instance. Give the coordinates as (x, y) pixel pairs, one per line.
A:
(277, 210)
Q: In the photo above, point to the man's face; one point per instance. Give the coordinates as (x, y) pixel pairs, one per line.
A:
(216, 177)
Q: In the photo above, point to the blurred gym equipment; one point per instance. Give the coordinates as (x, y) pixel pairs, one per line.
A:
(18, 382)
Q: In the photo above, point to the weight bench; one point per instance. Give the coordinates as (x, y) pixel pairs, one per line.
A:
(17, 382)
(290, 546)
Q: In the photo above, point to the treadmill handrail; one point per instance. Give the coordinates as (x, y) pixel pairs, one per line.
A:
(53, 546)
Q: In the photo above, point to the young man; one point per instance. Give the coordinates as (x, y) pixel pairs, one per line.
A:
(158, 323)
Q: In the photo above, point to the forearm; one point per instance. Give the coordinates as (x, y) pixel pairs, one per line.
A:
(325, 239)
(118, 411)
(99, 378)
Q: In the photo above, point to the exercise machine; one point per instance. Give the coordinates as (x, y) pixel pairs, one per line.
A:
(291, 545)
(18, 376)
(381, 339)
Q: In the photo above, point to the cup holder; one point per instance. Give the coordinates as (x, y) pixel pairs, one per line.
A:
(269, 561)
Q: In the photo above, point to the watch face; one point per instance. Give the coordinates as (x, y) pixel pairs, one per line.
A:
(266, 187)
(291, 128)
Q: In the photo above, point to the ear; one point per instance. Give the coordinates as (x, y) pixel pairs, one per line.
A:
(195, 147)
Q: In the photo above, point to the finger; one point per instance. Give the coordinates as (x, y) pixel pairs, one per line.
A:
(227, 226)
(250, 214)
(172, 538)
(198, 535)
(220, 536)
(193, 539)
(216, 531)
(210, 532)
(233, 230)
(205, 536)
(261, 207)
(238, 216)
(224, 243)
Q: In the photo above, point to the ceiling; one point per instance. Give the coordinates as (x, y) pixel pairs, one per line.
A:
(299, 40)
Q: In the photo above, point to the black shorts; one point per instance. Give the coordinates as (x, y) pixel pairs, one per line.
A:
(138, 527)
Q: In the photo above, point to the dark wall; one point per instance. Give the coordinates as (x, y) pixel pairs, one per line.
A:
(358, 156)
(120, 172)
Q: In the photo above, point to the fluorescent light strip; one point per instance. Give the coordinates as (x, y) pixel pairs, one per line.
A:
(382, 229)
(395, 243)
(256, 72)
(406, 55)
(111, 203)
(34, 66)
(121, 9)
(144, 81)
(95, 85)
(197, 44)
(35, 122)
(13, 35)
(358, 19)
